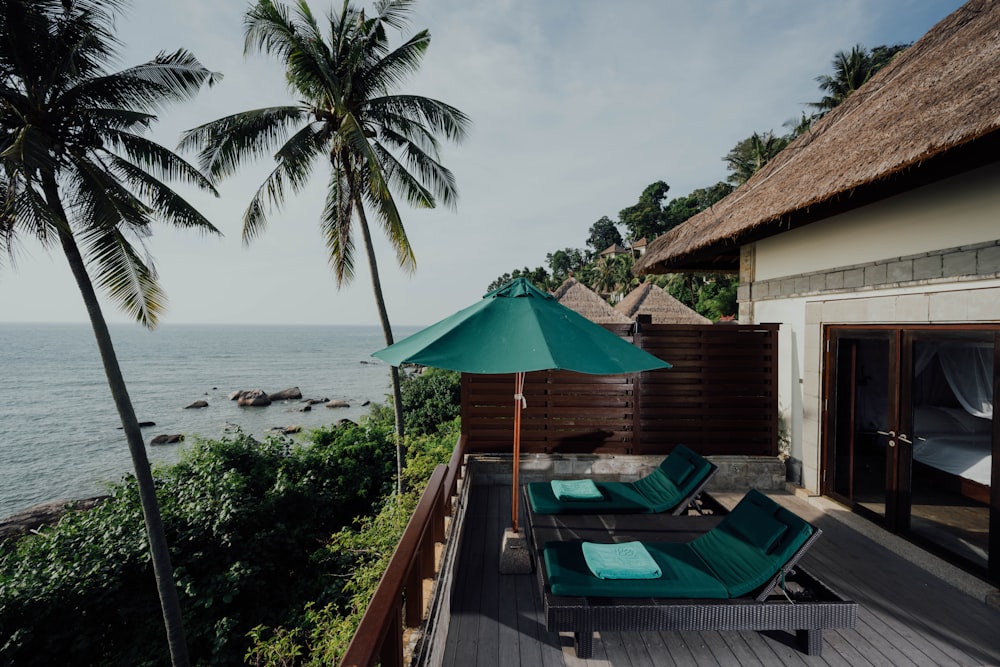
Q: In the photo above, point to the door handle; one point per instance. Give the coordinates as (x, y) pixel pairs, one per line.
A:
(891, 434)
(903, 438)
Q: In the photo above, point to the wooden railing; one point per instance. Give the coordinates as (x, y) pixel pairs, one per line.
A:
(399, 597)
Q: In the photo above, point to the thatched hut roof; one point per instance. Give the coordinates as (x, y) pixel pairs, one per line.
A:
(577, 296)
(648, 299)
(934, 111)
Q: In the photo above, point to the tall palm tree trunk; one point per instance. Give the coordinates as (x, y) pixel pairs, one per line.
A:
(383, 315)
(158, 548)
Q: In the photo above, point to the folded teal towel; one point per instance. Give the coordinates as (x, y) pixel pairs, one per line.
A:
(575, 489)
(628, 560)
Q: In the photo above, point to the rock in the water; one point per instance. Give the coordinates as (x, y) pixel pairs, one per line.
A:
(306, 408)
(253, 398)
(165, 439)
(142, 425)
(197, 404)
(42, 515)
(345, 422)
(286, 394)
(285, 430)
(314, 401)
(335, 403)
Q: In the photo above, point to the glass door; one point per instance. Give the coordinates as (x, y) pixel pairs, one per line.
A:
(909, 433)
(861, 412)
(950, 378)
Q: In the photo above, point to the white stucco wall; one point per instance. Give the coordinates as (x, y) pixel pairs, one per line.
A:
(801, 335)
(961, 211)
(954, 212)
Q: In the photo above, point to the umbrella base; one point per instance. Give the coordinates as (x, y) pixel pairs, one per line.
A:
(515, 557)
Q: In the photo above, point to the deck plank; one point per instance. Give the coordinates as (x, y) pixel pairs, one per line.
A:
(906, 616)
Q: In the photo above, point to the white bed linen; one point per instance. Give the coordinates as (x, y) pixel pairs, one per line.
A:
(968, 455)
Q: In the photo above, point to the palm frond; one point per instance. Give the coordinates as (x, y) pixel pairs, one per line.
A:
(395, 67)
(225, 143)
(179, 74)
(295, 162)
(151, 156)
(129, 280)
(163, 201)
(30, 149)
(414, 186)
(436, 116)
(99, 200)
(394, 13)
(336, 226)
(268, 28)
(23, 212)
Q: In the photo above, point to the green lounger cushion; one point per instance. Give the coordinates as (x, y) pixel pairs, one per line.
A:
(737, 557)
(617, 497)
(752, 543)
(677, 476)
(682, 574)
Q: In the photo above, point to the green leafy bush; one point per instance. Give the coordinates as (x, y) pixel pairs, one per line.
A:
(430, 398)
(247, 523)
(363, 550)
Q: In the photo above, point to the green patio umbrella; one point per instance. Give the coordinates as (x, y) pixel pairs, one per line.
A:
(516, 329)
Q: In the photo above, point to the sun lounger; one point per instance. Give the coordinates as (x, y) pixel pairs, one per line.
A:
(671, 487)
(725, 579)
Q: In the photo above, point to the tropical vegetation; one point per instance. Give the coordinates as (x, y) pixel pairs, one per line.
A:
(374, 140)
(250, 526)
(80, 174)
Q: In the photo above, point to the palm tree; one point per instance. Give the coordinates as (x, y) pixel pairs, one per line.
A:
(851, 70)
(78, 171)
(748, 156)
(373, 139)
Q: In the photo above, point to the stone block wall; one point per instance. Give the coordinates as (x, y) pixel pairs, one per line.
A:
(736, 473)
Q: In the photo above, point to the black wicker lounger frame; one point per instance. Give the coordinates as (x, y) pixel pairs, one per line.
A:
(792, 600)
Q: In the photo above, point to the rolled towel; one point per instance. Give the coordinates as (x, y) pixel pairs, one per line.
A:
(627, 560)
(576, 489)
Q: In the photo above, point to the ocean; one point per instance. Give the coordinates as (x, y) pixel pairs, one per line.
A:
(60, 434)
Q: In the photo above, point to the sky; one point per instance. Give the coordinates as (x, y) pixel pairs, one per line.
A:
(576, 106)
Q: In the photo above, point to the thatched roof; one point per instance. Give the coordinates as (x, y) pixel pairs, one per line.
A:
(648, 299)
(577, 296)
(612, 250)
(934, 111)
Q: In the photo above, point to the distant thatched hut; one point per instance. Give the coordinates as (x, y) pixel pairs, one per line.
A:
(577, 296)
(648, 299)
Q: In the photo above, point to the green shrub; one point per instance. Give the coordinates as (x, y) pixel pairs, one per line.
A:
(430, 398)
(364, 551)
(246, 522)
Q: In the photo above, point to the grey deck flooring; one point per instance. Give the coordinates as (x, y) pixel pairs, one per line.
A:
(906, 616)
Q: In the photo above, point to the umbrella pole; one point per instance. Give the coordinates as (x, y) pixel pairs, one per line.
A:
(518, 403)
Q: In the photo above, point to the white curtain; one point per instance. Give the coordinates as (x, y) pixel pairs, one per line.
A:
(968, 368)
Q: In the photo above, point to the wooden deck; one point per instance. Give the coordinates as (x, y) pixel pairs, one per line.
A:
(906, 615)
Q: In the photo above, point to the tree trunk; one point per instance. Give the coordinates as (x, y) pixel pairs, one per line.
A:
(158, 549)
(397, 394)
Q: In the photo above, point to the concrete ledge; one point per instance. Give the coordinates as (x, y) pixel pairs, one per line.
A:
(742, 473)
(736, 473)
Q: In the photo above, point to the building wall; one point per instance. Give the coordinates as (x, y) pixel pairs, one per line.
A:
(956, 212)
(927, 257)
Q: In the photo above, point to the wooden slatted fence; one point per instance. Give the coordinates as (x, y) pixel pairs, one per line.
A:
(720, 397)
